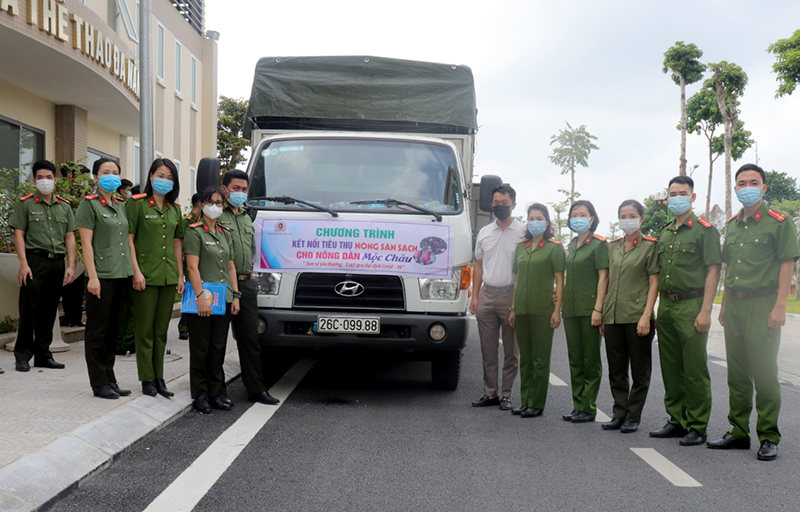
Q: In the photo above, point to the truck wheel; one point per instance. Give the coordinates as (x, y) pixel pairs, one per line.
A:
(446, 370)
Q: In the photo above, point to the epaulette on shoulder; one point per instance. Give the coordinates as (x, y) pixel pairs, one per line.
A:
(704, 222)
(176, 203)
(650, 238)
(599, 237)
(226, 228)
(138, 196)
(66, 201)
(196, 225)
(734, 216)
(775, 214)
(616, 240)
(93, 196)
(553, 240)
(26, 197)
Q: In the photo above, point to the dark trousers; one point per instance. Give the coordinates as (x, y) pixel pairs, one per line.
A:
(38, 307)
(245, 329)
(103, 317)
(624, 349)
(72, 300)
(208, 337)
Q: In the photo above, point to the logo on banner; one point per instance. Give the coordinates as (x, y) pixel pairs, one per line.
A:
(280, 226)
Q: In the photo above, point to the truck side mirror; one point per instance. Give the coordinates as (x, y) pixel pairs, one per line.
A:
(488, 183)
(208, 173)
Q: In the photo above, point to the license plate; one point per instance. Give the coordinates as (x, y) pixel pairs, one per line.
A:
(348, 324)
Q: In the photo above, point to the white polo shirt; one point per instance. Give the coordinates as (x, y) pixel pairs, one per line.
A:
(496, 248)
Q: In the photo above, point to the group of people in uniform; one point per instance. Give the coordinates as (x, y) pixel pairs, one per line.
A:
(525, 282)
(140, 243)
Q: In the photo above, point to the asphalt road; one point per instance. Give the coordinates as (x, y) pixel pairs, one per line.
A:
(362, 435)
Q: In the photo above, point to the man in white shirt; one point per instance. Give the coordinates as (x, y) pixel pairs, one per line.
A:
(492, 294)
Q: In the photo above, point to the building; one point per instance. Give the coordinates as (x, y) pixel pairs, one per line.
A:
(69, 84)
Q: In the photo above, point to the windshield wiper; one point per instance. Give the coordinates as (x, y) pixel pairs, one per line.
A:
(395, 202)
(292, 200)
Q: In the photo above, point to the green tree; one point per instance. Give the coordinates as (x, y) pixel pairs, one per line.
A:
(703, 117)
(230, 123)
(656, 216)
(729, 81)
(574, 146)
(682, 61)
(780, 188)
(787, 63)
(560, 222)
(612, 230)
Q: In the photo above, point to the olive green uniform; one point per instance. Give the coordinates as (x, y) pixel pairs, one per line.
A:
(209, 335)
(628, 286)
(245, 323)
(108, 222)
(685, 253)
(754, 250)
(535, 266)
(154, 230)
(46, 226)
(183, 326)
(583, 266)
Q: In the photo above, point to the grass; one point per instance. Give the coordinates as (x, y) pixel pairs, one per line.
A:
(792, 304)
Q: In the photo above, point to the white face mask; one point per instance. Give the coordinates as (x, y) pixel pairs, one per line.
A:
(629, 226)
(45, 186)
(212, 211)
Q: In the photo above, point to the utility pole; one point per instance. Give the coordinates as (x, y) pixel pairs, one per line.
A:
(146, 124)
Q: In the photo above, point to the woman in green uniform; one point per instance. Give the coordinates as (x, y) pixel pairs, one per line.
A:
(628, 323)
(156, 243)
(538, 263)
(103, 225)
(209, 259)
(585, 289)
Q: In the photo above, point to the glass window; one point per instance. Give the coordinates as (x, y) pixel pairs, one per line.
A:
(113, 14)
(160, 52)
(20, 147)
(193, 84)
(178, 48)
(93, 155)
(136, 24)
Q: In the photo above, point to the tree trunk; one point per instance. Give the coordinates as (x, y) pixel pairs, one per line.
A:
(729, 122)
(572, 191)
(682, 170)
(710, 174)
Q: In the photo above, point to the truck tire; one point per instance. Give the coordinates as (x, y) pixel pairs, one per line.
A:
(446, 370)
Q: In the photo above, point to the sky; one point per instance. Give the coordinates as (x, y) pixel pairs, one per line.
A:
(538, 65)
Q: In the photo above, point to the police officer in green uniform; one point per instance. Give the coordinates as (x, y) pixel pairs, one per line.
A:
(156, 229)
(760, 251)
(539, 262)
(192, 217)
(209, 258)
(44, 235)
(628, 323)
(103, 224)
(244, 324)
(690, 257)
(585, 289)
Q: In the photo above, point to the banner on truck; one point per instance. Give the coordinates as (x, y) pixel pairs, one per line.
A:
(410, 249)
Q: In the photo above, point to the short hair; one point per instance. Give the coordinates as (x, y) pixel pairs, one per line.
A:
(101, 161)
(234, 174)
(682, 180)
(125, 183)
(589, 206)
(176, 186)
(752, 167)
(505, 189)
(47, 165)
(195, 199)
(631, 202)
(135, 190)
(539, 207)
(206, 194)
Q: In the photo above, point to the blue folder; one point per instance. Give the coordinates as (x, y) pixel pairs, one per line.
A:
(219, 292)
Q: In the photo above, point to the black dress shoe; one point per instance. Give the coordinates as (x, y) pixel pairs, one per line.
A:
(486, 401)
(48, 363)
(201, 404)
(183, 335)
(217, 403)
(530, 412)
(518, 410)
(264, 398)
(668, 430)
(568, 417)
(728, 441)
(22, 366)
(105, 391)
(120, 392)
(149, 388)
(505, 404)
(583, 417)
(2, 371)
(161, 389)
(629, 427)
(693, 438)
(225, 399)
(768, 451)
(614, 424)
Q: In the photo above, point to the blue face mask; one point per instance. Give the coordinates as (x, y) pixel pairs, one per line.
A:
(162, 187)
(579, 225)
(536, 227)
(109, 182)
(749, 196)
(679, 204)
(237, 199)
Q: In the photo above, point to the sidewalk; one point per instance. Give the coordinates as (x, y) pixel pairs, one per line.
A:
(54, 433)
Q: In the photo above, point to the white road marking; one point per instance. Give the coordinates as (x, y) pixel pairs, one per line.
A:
(601, 417)
(190, 487)
(724, 364)
(668, 470)
(555, 381)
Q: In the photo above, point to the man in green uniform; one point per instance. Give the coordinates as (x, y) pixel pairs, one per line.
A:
(236, 219)
(43, 235)
(690, 261)
(760, 251)
(192, 217)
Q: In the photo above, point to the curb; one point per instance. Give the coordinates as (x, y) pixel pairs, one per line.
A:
(41, 477)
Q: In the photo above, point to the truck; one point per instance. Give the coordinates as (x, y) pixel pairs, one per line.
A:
(360, 178)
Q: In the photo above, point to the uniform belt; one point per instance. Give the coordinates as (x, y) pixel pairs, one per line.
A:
(45, 254)
(694, 294)
(754, 293)
(245, 277)
(509, 287)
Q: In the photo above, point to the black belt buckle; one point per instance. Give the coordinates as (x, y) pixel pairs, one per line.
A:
(52, 256)
(244, 277)
(739, 295)
(673, 297)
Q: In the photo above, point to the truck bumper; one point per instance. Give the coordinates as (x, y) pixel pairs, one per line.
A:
(401, 331)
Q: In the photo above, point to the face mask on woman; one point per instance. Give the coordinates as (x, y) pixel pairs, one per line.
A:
(109, 182)
(212, 211)
(536, 227)
(629, 226)
(162, 186)
(579, 225)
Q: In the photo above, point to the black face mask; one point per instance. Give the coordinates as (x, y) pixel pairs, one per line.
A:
(501, 211)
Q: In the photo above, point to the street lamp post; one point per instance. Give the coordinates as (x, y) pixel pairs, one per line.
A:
(146, 124)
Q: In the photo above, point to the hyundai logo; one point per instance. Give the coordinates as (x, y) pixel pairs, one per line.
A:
(349, 289)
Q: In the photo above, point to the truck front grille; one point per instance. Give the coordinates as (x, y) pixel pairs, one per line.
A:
(318, 290)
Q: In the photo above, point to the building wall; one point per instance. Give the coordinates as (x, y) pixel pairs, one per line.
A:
(27, 108)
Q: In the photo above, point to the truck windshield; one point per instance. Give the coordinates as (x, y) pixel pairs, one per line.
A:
(334, 172)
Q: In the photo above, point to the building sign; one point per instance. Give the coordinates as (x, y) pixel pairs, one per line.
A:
(53, 18)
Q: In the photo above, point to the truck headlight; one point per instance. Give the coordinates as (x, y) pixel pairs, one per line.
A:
(440, 289)
(268, 283)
